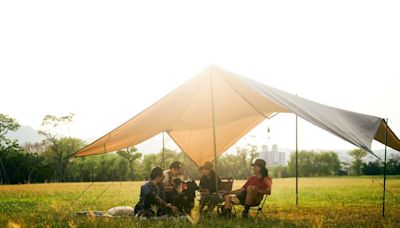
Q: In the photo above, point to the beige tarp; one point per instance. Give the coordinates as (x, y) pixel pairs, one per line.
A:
(239, 104)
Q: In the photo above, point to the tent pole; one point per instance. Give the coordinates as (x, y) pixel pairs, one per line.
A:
(297, 164)
(163, 150)
(213, 130)
(384, 172)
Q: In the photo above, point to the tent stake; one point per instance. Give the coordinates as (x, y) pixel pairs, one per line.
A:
(297, 164)
(213, 128)
(384, 172)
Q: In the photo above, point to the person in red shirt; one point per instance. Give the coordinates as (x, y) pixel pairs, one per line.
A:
(252, 191)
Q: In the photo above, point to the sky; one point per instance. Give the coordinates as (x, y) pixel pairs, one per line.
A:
(105, 61)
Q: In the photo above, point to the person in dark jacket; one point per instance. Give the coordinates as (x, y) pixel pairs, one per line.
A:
(151, 201)
(208, 188)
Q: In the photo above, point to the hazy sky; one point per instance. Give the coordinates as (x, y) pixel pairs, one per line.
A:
(106, 61)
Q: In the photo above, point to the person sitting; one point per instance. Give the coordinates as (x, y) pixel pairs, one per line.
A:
(208, 188)
(170, 174)
(252, 191)
(151, 201)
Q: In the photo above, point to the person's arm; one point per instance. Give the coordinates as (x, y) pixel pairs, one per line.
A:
(267, 190)
(168, 205)
(162, 202)
(237, 191)
(144, 190)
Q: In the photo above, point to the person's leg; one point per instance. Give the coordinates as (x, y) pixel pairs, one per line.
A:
(212, 202)
(207, 211)
(250, 197)
(228, 202)
(203, 201)
(149, 200)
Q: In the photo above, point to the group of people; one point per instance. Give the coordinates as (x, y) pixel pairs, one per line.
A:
(166, 193)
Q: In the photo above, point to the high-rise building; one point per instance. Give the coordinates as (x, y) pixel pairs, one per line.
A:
(263, 154)
(282, 158)
(264, 148)
(273, 157)
(275, 148)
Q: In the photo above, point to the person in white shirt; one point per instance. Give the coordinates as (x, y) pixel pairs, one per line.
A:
(174, 171)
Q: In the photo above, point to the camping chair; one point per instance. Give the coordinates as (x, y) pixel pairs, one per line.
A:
(260, 206)
(225, 186)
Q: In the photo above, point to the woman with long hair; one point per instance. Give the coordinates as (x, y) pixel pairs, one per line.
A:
(252, 191)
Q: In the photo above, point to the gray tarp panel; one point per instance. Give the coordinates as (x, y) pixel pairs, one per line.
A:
(356, 128)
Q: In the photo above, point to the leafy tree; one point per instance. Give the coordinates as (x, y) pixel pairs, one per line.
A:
(104, 167)
(34, 161)
(59, 150)
(232, 166)
(306, 163)
(34, 148)
(345, 167)
(357, 155)
(393, 165)
(58, 155)
(239, 165)
(325, 163)
(251, 151)
(7, 124)
(279, 171)
(131, 155)
(371, 168)
(148, 163)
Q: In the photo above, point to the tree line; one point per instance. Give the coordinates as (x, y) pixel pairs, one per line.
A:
(52, 161)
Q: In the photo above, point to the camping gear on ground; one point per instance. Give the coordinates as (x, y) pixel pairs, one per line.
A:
(119, 211)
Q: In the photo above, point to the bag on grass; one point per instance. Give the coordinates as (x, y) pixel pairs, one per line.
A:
(121, 211)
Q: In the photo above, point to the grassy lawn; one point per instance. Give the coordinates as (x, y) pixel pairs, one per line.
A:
(336, 201)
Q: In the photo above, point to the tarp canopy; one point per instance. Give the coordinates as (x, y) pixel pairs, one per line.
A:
(237, 105)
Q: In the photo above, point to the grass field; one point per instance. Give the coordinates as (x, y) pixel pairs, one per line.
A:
(347, 201)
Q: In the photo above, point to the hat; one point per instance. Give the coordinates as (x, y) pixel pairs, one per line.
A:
(207, 165)
(259, 162)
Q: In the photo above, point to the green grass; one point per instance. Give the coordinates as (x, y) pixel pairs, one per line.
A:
(336, 201)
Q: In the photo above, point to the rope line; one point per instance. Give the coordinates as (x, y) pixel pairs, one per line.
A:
(80, 195)
(108, 186)
(388, 190)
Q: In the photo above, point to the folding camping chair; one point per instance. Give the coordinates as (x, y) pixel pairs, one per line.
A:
(225, 186)
(260, 206)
